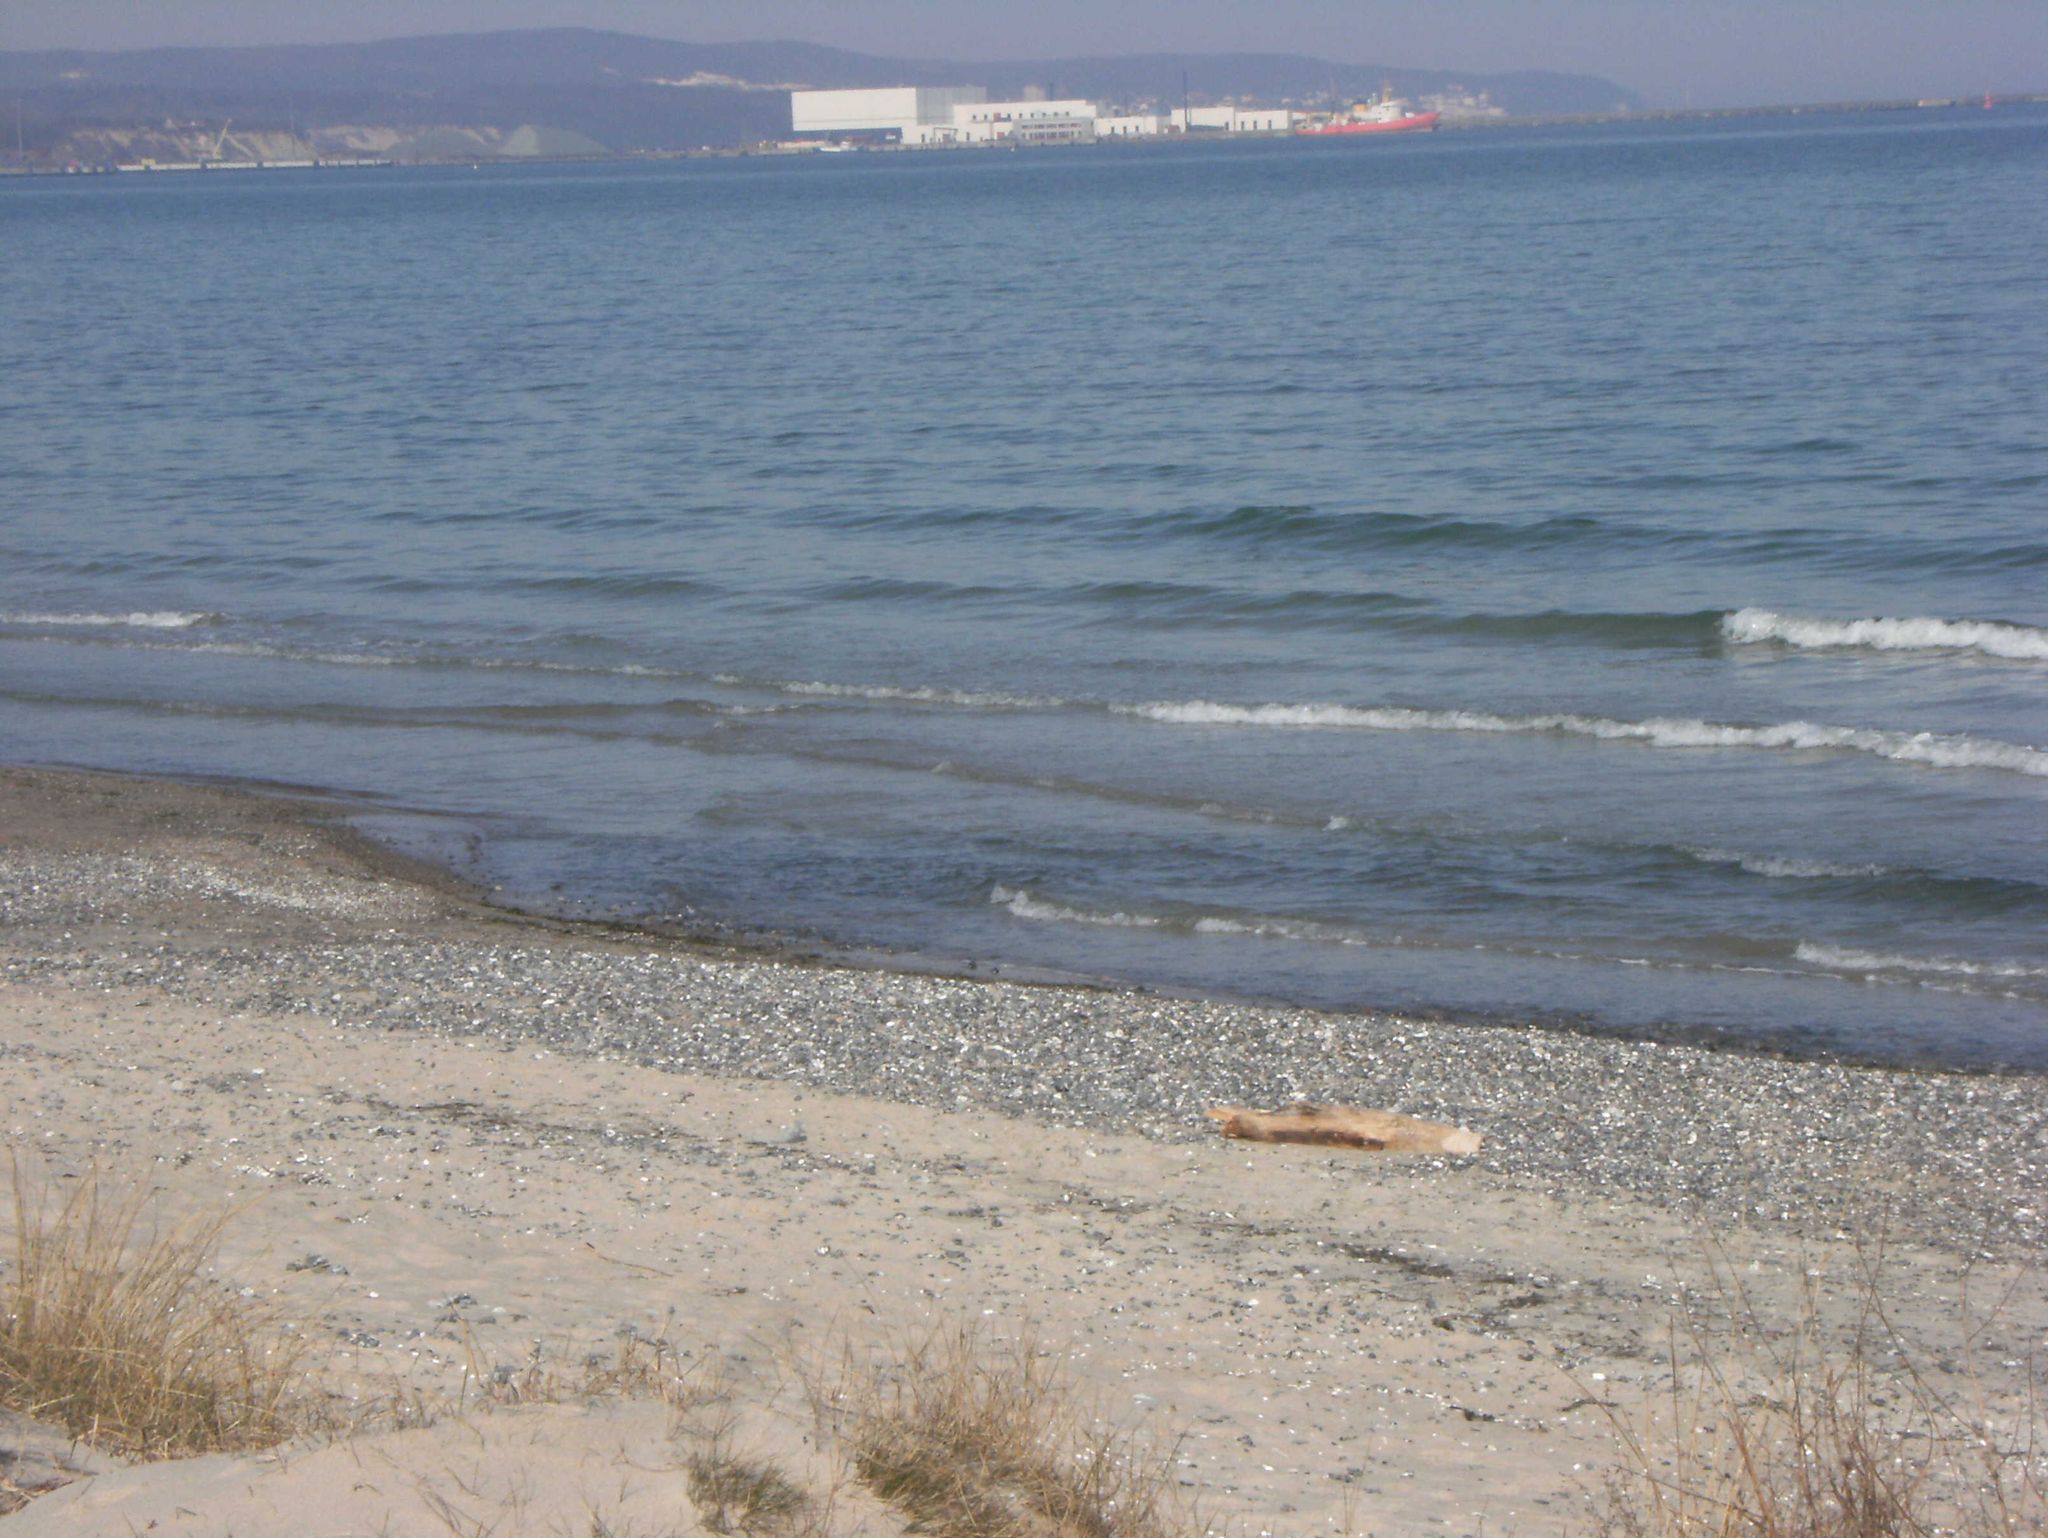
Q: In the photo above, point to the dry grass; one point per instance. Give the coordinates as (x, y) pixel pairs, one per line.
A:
(747, 1496)
(642, 1367)
(114, 1329)
(1796, 1433)
(972, 1440)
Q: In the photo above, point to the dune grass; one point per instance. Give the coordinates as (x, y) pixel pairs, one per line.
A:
(640, 1367)
(751, 1497)
(115, 1329)
(971, 1439)
(1789, 1431)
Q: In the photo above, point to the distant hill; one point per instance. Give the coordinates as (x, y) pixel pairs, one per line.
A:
(616, 91)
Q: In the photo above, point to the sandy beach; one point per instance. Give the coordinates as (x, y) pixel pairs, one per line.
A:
(459, 1139)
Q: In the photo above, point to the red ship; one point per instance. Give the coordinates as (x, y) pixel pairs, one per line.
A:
(1388, 115)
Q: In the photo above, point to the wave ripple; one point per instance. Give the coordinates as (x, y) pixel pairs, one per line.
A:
(163, 619)
(2023, 642)
(1930, 748)
(1848, 959)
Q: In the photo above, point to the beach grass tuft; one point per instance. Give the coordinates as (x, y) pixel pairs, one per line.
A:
(1788, 1432)
(116, 1329)
(972, 1439)
(647, 1367)
(750, 1497)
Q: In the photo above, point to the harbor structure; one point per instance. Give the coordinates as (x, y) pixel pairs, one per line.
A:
(889, 114)
(1025, 122)
(1230, 118)
(931, 116)
(1130, 125)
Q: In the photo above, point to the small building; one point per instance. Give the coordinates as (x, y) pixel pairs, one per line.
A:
(1263, 120)
(897, 114)
(1234, 120)
(1024, 122)
(924, 116)
(1455, 104)
(1130, 125)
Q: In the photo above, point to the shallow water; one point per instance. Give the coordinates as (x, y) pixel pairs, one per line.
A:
(1592, 573)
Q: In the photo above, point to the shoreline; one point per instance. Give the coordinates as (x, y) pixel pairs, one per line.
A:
(457, 1137)
(771, 149)
(1190, 1051)
(336, 811)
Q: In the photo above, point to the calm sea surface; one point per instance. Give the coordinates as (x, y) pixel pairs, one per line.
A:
(1593, 573)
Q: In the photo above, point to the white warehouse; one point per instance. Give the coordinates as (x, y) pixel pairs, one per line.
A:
(1236, 120)
(963, 114)
(1023, 122)
(892, 112)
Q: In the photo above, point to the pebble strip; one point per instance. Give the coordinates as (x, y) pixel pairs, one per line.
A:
(1957, 1162)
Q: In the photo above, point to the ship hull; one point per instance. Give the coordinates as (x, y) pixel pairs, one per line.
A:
(1420, 122)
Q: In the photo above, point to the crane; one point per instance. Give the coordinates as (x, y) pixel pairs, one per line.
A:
(223, 139)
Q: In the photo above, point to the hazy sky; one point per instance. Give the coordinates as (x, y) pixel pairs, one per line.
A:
(1708, 52)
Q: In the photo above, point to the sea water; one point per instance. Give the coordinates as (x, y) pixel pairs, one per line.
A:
(1593, 574)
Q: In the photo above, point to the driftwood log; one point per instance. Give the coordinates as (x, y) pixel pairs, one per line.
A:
(1337, 1126)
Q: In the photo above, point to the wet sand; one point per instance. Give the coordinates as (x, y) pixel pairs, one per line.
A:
(461, 1136)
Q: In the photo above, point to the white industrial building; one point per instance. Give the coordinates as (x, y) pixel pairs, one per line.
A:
(898, 113)
(1235, 120)
(1130, 125)
(1024, 122)
(963, 114)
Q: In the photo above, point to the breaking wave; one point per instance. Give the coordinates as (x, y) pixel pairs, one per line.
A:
(159, 619)
(1946, 973)
(1947, 894)
(1025, 905)
(1930, 748)
(1783, 867)
(1845, 959)
(919, 694)
(1752, 626)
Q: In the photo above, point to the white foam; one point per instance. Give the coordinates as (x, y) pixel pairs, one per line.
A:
(1782, 866)
(1941, 972)
(160, 619)
(1025, 906)
(293, 654)
(1932, 748)
(1847, 959)
(1279, 929)
(351, 659)
(918, 694)
(2023, 642)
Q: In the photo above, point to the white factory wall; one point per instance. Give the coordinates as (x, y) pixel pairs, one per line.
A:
(852, 111)
(935, 115)
(1024, 122)
(937, 103)
(887, 110)
(1237, 120)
